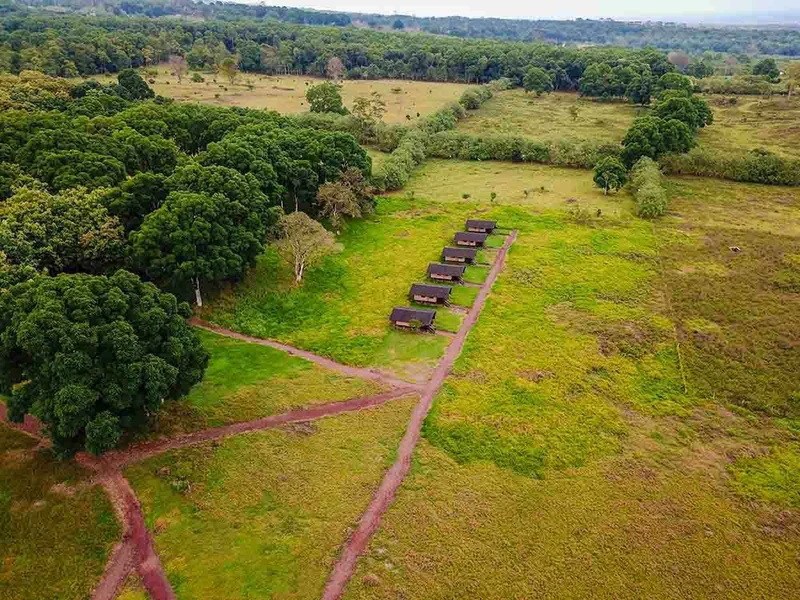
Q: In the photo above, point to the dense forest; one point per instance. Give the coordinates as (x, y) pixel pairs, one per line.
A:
(663, 35)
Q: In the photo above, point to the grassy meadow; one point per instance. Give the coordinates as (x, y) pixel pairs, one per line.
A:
(56, 527)
(406, 101)
(623, 421)
(262, 515)
(246, 381)
(341, 309)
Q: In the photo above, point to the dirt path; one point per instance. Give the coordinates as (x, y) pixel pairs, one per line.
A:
(361, 373)
(115, 460)
(29, 425)
(370, 520)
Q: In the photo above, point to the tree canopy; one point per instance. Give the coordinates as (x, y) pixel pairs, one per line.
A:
(92, 356)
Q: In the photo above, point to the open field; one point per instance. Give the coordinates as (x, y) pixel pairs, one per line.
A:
(286, 93)
(594, 456)
(56, 528)
(342, 308)
(547, 118)
(262, 515)
(246, 381)
(752, 122)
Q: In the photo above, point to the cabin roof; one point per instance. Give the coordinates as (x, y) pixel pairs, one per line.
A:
(400, 313)
(433, 291)
(471, 236)
(460, 252)
(481, 224)
(455, 270)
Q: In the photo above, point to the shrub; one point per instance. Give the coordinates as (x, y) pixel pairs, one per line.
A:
(647, 186)
(757, 166)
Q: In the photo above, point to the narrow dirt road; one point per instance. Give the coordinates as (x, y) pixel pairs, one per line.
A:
(370, 520)
(371, 374)
(114, 460)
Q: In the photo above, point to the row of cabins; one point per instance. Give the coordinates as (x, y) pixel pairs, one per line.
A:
(454, 264)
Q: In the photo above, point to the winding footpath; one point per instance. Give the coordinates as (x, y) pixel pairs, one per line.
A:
(136, 550)
(370, 520)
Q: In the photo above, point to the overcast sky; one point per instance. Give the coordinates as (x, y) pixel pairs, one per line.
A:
(678, 10)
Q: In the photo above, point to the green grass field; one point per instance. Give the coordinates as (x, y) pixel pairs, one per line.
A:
(547, 118)
(341, 310)
(56, 528)
(262, 515)
(574, 452)
(246, 381)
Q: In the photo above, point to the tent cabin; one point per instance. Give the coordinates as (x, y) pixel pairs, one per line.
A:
(430, 294)
(467, 238)
(459, 255)
(479, 226)
(446, 272)
(418, 319)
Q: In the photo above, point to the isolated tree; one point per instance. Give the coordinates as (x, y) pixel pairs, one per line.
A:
(610, 174)
(67, 232)
(679, 59)
(574, 112)
(369, 112)
(134, 85)
(768, 68)
(537, 80)
(178, 66)
(93, 356)
(229, 69)
(335, 68)
(325, 97)
(350, 196)
(303, 242)
(195, 238)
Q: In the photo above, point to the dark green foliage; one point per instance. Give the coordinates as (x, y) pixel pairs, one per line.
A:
(325, 97)
(648, 189)
(94, 356)
(135, 87)
(195, 238)
(135, 198)
(610, 174)
(537, 80)
(653, 136)
(68, 232)
(12, 176)
(757, 166)
(675, 81)
(768, 68)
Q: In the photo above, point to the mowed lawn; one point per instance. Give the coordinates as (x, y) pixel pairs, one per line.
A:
(56, 527)
(590, 442)
(263, 515)
(341, 310)
(246, 381)
(406, 101)
(548, 118)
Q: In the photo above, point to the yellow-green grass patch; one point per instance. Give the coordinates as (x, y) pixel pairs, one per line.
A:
(287, 93)
(246, 381)
(56, 527)
(263, 515)
(548, 118)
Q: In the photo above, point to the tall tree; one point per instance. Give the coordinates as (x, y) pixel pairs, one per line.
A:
(325, 97)
(178, 65)
(610, 174)
(303, 242)
(537, 80)
(93, 357)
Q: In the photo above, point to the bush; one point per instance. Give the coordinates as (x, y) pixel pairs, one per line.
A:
(757, 166)
(647, 186)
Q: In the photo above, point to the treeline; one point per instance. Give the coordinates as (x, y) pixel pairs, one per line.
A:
(70, 45)
(664, 35)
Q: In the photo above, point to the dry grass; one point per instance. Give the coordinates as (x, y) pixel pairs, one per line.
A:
(286, 93)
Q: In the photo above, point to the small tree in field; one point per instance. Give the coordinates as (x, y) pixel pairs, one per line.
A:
(351, 196)
(610, 174)
(303, 242)
(574, 112)
(178, 65)
(537, 80)
(335, 68)
(229, 69)
(325, 97)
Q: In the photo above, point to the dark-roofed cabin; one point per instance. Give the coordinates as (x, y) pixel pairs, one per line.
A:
(430, 294)
(459, 255)
(479, 226)
(467, 238)
(446, 272)
(418, 319)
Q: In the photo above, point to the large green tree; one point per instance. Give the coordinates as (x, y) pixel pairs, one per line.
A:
(196, 238)
(325, 97)
(94, 356)
(537, 80)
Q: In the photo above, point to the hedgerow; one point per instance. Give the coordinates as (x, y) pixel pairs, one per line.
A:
(647, 186)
